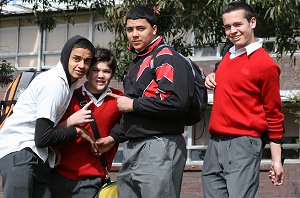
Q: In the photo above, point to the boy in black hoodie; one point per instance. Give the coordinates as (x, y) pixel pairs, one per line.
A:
(26, 136)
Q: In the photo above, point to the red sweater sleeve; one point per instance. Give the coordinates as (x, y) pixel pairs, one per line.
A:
(270, 93)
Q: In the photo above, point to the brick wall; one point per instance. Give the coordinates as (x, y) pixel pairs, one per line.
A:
(192, 187)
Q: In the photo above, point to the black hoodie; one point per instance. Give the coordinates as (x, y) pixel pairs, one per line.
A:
(65, 54)
(45, 133)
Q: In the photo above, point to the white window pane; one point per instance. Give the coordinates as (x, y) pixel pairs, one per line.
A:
(51, 60)
(56, 38)
(102, 38)
(8, 39)
(28, 61)
(29, 39)
(80, 27)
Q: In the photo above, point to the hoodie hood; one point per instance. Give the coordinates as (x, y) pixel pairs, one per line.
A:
(66, 52)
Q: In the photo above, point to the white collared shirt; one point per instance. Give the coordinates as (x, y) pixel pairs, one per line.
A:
(249, 49)
(100, 99)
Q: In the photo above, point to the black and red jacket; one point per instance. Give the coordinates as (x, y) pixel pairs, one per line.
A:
(159, 104)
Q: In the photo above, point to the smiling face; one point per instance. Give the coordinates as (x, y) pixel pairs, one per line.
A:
(99, 77)
(79, 62)
(238, 29)
(140, 33)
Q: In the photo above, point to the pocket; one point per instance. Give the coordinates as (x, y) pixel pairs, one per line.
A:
(24, 157)
(156, 150)
(249, 145)
(255, 145)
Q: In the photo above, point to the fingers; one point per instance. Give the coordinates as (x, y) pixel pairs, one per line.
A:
(279, 180)
(114, 95)
(276, 177)
(87, 105)
(210, 82)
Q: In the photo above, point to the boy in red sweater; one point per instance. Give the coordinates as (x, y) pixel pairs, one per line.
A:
(246, 104)
(79, 171)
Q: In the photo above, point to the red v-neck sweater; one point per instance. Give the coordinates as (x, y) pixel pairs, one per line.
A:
(247, 97)
(77, 161)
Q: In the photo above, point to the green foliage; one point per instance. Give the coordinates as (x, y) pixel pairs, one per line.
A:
(296, 101)
(178, 19)
(6, 73)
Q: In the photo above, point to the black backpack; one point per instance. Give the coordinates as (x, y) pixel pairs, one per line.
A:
(198, 98)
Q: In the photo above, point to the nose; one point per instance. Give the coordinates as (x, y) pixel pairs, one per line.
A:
(233, 29)
(100, 74)
(134, 33)
(82, 64)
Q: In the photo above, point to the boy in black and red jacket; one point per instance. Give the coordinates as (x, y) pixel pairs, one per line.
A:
(153, 113)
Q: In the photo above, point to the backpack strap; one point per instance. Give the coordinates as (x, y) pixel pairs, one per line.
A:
(8, 101)
(94, 126)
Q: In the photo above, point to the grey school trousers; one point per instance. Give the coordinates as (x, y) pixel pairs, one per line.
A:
(24, 175)
(152, 168)
(62, 187)
(231, 167)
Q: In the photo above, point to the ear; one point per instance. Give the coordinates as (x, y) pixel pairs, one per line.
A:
(253, 22)
(154, 30)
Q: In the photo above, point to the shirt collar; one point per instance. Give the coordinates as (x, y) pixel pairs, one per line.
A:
(249, 49)
(90, 95)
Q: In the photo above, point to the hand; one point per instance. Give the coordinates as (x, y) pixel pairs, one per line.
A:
(210, 81)
(85, 135)
(276, 173)
(81, 116)
(105, 144)
(124, 103)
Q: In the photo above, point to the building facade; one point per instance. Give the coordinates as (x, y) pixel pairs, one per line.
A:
(24, 46)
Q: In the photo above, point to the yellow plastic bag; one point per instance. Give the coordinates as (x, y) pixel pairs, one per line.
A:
(109, 190)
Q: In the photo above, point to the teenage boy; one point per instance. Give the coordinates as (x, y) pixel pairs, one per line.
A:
(153, 113)
(25, 137)
(80, 173)
(246, 105)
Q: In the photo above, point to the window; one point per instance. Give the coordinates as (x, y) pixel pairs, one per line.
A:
(269, 45)
(207, 53)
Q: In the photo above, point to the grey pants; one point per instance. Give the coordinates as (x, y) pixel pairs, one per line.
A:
(153, 168)
(24, 175)
(231, 167)
(62, 187)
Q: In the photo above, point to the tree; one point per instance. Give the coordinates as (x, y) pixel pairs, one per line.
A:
(6, 73)
(179, 18)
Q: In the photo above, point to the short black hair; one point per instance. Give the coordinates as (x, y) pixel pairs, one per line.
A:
(107, 56)
(142, 12)
(239, 5)
(85, 44)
